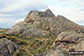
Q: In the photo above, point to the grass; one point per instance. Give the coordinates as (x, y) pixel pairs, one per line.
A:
(30, 45)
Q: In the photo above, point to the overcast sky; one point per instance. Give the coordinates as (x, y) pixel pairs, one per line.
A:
(14, 11)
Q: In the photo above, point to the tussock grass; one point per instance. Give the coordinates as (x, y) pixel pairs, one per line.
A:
(30, 45)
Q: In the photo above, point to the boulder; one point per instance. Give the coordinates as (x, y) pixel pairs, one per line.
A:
(80, 46)
(65, 42)
(69, 36)
(7, 47)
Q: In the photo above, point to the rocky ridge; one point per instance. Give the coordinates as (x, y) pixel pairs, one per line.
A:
(44, 24)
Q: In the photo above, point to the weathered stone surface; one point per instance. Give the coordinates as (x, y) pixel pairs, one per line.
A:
(80, 46)
(68, 39)
(65, 42)
(7, 47)
(36, 15)
(26, 29)
(56, 52)
(45, 24)
(69, 36)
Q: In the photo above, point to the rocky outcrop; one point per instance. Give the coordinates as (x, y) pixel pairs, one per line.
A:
(65, 42)
(80, 46)
(44, 24)
(56, 52)
(7, 47)
(36, 15)
(69, 36)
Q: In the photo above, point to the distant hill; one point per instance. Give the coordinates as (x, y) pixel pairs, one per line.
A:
(3, 30)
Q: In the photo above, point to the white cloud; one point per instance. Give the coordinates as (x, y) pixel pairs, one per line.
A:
(19, 5)
(5, 15)
(19, 20)
(2, 20)
(10, 21)
(71, 13)
(14, 11)
(71, 9)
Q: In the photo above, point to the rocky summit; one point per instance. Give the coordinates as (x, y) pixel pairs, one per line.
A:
(42, 34)
(44, 24)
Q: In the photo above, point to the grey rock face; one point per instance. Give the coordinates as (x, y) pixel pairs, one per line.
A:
(36, 15)
(69, 36)
(56, 52)
(7, 47)
(64, 43)
(80, 46)
(44, 24)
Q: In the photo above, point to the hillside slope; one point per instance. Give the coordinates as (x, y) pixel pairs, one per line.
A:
(44, 24)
